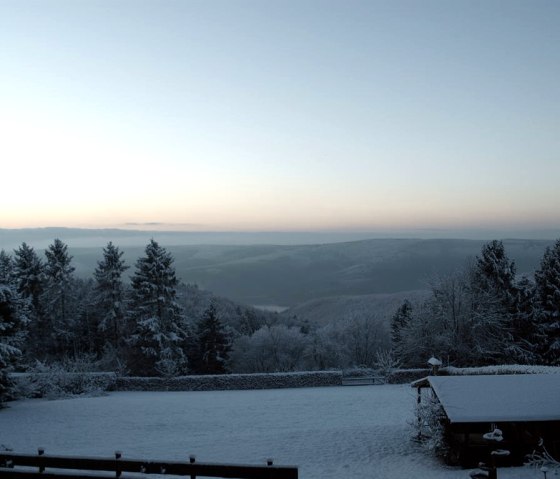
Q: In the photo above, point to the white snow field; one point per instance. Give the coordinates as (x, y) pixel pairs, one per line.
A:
(336, 432)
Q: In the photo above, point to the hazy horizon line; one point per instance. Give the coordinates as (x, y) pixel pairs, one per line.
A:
(77, 237)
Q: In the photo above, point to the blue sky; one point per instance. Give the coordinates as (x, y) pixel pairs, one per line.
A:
(280, 115)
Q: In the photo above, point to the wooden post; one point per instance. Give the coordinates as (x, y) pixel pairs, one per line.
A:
(192, 460)
(40, 452)
(118, 455)
(419, 416)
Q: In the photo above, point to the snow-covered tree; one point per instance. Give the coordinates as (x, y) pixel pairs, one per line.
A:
(29, 274)
(249, 320)
(29, 277)
(6, 268)
(494, 273)
(58, 301)
(325, 348)
(464, 325)
(12, 321)
(495, 289)
(364, 337)
(87, 339)
(212, 345)
(526, 335)
(276, 348)
(158, 330)
(399, 321)
(547, 280)
(110, 297)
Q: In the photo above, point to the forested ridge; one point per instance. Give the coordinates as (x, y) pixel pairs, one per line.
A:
(153, 324)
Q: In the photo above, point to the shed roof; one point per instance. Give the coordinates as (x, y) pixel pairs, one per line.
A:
(499, 398)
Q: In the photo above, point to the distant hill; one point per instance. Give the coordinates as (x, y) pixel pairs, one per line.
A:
(247, 268)
(290, 275)
(94, 238)
(321, 311)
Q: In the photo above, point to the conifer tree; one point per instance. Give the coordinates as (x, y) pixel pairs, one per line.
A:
(6, 268)
(29, 278)
(495, 294)
(29, 275)
(58, 298)
(12, 321)
(494, 273)
(547, 280)
(158, 332)
(110, 297)
(213, 345)
(86, 337)
(399, 321)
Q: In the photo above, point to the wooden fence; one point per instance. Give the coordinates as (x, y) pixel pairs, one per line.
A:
(24, 466)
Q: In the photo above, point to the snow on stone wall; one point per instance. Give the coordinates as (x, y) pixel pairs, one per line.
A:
(231, 381)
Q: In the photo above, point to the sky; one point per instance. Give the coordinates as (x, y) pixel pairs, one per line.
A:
(283, 115)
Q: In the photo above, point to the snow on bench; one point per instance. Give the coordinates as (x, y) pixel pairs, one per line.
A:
(363, 380)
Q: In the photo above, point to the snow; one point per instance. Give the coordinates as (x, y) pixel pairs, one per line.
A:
(499, 398)
(503, 369)
(334, 432)
(434, 361)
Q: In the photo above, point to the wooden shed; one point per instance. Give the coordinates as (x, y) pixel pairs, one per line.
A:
(526, 407)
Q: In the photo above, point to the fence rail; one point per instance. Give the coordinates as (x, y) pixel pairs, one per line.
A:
(14, 465)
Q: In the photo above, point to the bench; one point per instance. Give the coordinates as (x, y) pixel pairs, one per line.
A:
(42, 466)
(362, 380)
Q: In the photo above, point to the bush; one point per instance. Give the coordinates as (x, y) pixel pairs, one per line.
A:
(430, 427)
(60, 380)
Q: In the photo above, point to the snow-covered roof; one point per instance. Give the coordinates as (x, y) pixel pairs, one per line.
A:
(434, 361)
(499, 398)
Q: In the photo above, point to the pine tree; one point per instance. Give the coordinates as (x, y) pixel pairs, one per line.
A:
(158, 336)
(494, 273)
(399, 321)
(110, 298)
(547, 280)
(29, 277)
(6, 268)
(213, 345)
(12, 321)
(58, 298)
(86, 337)
(495, 294)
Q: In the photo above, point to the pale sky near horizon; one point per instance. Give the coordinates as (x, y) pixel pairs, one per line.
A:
(280, 115)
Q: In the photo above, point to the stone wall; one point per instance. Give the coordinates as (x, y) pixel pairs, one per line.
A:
(231, 381)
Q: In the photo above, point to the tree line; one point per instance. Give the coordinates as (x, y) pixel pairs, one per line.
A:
(149, 323)
(49, 314)
(485, 314)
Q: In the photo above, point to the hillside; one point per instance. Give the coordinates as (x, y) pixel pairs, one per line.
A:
(321, 311)
(290, 275)
(285, 274)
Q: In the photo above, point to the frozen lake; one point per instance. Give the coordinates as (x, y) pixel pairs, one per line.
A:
(337, 432)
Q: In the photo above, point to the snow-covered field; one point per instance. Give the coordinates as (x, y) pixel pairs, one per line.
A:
(337, 432)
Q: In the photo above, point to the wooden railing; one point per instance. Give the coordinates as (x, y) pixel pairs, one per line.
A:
(24, 466)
